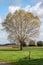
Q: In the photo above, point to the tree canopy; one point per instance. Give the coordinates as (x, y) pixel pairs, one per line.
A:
(21, 26)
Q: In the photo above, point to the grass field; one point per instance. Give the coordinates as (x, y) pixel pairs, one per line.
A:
(17, 57)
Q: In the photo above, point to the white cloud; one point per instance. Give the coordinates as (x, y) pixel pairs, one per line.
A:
(12, 8)
(41, 28)
(37, 10)
(1, 23)
(0, 19)
(37, 1)
(3, 34)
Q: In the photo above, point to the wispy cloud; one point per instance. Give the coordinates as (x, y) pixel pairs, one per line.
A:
(12, 8)
(16, 2)
(0, 19)
(37, 1)
(36, 9)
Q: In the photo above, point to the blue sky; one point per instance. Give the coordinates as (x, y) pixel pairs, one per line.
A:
(4, 4)
(34, 6)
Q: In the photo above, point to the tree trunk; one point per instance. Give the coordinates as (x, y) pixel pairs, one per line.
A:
(21, 46)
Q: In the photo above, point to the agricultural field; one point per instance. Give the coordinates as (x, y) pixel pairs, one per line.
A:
(17, 57)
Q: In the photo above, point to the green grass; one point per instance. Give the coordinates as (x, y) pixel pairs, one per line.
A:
(17, 57)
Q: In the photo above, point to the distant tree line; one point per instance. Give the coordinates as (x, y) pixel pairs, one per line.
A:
(32, 43)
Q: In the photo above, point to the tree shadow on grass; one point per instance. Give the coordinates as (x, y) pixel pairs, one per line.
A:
(27, 61)
(9, 50)
(14, 49)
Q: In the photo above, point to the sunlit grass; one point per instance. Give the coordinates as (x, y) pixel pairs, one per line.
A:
(17, 57)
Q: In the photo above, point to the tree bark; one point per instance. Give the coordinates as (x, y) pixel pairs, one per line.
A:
(21, 44)
(21, 47)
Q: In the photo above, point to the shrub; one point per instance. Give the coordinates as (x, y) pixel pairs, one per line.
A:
(31, 43)
(39, 43)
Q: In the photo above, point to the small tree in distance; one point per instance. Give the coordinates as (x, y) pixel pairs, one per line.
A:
(32, 43)
(21, 26)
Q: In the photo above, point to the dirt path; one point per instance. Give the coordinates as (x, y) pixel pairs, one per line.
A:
(3, 63)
